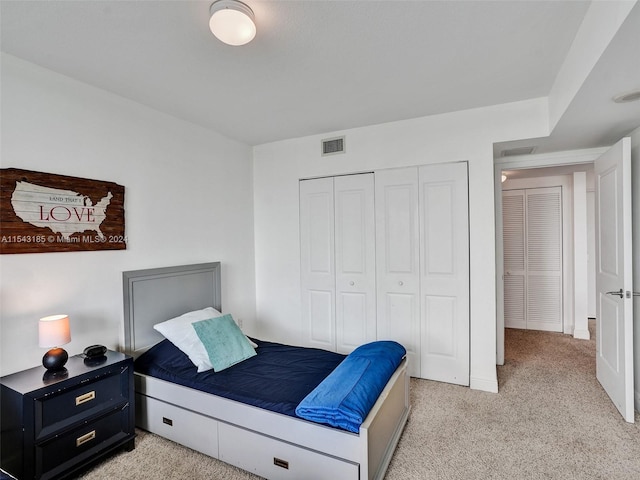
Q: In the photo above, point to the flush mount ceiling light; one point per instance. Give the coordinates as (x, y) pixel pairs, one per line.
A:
(627, 97)
(232, 22)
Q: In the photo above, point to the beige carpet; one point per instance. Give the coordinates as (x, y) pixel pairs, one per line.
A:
(551, 420)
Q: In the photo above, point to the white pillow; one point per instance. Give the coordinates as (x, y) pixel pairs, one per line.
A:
(181, 333)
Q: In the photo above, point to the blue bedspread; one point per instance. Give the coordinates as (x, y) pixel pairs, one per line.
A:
(276, 379)
(346, 396)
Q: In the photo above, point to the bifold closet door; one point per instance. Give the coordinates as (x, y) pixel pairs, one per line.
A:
(355, 261)
(397, 260)
(444, 272)
(422, 244)
(515, 272)
(317, 256)
(532, 236)
(337, 235)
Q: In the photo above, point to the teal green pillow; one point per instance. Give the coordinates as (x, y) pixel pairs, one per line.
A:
(224, 342)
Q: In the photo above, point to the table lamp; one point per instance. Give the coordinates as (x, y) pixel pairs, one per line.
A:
(54, 331)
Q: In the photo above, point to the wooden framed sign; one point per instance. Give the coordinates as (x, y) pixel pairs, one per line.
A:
(43, 212)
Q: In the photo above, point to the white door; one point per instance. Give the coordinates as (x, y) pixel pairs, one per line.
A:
(515, 261)
(317, 261)
(355, 261)
(397, 260)
(532, 236)
(337, 258)
(444, 273)
(614, 321)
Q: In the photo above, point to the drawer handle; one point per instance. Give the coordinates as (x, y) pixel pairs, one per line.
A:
(85, 438)
(167, 421)
(87, 397)
(278, 462)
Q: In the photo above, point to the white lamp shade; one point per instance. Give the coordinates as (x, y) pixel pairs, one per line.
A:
(232, 22)
(54, 331)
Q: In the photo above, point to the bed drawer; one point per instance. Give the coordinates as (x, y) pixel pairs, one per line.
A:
(273, 459)
(182, 426)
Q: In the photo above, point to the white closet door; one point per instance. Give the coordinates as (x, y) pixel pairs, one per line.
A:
(444, 285)
(544, 259)
(317, 262)
(397, 260)
(513, 232)
(532, 233)
(355, 261)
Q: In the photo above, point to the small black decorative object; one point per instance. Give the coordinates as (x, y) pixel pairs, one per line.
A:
(95, 351)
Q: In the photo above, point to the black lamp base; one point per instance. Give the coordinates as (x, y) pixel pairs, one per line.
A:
(55, 359)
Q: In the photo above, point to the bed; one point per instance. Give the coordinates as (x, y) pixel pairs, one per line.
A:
(271, 444)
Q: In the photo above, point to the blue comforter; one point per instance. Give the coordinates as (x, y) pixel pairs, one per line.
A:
(346, 396)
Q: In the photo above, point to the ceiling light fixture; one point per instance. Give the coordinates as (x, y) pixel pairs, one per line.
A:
(232, 22)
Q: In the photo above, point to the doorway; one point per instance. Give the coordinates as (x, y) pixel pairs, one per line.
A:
(563, 164)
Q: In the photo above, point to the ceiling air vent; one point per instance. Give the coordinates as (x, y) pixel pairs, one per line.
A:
(331, 146)
(512, 152)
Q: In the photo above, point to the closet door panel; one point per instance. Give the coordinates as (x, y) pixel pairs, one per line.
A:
(318, 317)
(397, 257)
(440, 336)
(355, 261)
(513, 234)
(444, 271)
(317, 261)
(544, 259)
(401, 306)
(514, 302)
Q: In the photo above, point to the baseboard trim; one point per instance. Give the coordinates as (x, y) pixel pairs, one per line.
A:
(484, 384)
(581, 334)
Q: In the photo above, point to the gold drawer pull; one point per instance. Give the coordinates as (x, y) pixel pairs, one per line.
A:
(85, 438)
(86, 397)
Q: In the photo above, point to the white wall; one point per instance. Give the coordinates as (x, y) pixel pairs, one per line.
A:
(467, 135)
(188, 199)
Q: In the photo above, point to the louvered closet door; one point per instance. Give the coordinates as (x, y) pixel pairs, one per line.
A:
(397, 260)
(544, 259)
(532, 235)
(444, 273)
(513, 224)
(317, 260)
(355, 261)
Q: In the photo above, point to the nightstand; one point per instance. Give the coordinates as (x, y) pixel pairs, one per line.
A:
(54, 426)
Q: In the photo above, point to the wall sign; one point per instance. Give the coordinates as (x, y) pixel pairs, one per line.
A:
(43, 212)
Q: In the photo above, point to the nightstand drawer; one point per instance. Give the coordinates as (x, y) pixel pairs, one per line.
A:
(61, 452)
(90, 398)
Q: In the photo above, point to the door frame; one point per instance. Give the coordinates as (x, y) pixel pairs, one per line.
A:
(564, 183)
(556, 159)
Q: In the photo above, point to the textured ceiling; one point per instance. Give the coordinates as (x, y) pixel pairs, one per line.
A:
(314, 66)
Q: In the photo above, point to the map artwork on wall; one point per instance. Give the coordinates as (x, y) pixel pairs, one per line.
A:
(43, 212)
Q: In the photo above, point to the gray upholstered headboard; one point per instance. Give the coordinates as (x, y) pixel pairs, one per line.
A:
(154, 295)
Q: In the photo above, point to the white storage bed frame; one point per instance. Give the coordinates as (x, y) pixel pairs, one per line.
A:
(269, 444)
